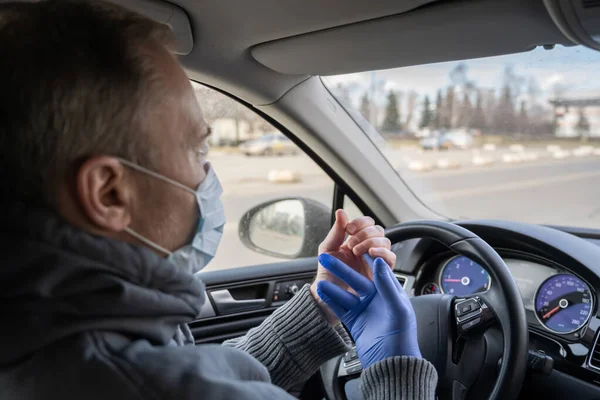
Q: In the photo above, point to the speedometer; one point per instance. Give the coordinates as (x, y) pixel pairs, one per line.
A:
(563, 303)
(462, 276)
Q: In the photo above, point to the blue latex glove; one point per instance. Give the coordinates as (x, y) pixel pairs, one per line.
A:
(381, 320)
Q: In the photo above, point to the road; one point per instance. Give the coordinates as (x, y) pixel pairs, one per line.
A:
(546, 190)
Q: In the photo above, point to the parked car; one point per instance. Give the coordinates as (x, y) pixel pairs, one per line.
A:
(268, 145)
(457, 139)
(432, 142)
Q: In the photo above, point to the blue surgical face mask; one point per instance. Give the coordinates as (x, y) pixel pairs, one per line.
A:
(195, 255)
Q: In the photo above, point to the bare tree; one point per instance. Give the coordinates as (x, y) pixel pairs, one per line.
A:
(489, 103)
(391, 121)
(479, 120)
(504, 117)
(439, 105)
(365, 106)
(459, 77)
(523, 119)
(533, 91)
(217, 106)
(448, 109)
(427, 114)
(515, 82)
(411, 104)
(465, 112)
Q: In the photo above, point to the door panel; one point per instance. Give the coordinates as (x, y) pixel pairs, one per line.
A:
(241, 298)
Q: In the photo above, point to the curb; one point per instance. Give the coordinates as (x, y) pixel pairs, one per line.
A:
(284, 176)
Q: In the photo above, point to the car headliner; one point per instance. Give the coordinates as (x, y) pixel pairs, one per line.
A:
(258, 50)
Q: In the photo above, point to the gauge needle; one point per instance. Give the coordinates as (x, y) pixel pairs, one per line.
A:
(549, 313)
(451, 280)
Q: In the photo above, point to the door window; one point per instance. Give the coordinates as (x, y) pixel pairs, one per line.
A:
(257, 164)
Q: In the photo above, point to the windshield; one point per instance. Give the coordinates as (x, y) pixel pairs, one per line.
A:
(513, 137)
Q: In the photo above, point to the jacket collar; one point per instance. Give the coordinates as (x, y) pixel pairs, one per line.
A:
(56, 281)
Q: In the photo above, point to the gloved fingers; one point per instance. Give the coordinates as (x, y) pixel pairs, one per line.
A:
(388, 256)
(370, 260)
(364, 234)
(338, 295)
(396, 283)
(384, 282)
(355, 280)
(338, 310)
(364, 246)
(400, 290)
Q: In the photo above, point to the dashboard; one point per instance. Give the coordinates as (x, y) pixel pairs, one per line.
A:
(555, 299)
(557, 271)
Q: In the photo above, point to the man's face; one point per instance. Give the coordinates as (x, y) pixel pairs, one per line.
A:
(162, 212)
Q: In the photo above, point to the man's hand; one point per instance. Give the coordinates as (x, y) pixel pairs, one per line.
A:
(380, 317)
(364, 237)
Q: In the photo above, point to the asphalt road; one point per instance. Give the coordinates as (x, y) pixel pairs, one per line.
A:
(557, 191)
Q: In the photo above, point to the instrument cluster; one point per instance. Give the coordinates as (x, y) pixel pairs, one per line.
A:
(561, 302)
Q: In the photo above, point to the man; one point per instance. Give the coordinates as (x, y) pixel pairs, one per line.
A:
(110, 207)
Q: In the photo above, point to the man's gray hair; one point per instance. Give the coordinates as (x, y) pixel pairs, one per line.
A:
(74, 83)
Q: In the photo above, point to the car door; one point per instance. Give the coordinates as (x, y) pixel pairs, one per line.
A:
(278, 207)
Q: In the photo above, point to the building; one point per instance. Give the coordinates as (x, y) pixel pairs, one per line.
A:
(577, 114)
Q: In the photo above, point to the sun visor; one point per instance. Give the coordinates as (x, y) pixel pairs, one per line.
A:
(168, 14)
(579, 20)
(442, 31)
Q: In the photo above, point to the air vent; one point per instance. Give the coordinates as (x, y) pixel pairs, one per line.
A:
(590, 3)
(594, 361)
(402, 280)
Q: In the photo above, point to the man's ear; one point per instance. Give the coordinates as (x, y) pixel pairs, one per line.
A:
(104, 193)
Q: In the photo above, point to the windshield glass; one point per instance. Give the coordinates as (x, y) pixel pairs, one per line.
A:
(512, 137)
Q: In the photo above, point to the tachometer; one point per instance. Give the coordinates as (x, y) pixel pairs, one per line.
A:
(563, 303)
(462, 276)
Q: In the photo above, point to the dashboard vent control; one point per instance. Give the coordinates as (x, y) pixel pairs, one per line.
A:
(401, 279)
(594, 361)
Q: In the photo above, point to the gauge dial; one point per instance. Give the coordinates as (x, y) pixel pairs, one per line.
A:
(461, 276)
(431, 288)
(563, 303)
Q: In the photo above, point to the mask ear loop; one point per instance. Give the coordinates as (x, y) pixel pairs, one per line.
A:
(147, 241)
(163, 178)
(155, 175)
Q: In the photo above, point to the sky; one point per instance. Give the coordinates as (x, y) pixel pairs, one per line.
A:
(576, 68)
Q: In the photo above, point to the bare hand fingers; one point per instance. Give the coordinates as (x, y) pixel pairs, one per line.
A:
(364, 247)
(359, 224)
(388, 256)
(336, 236)
(364, 234)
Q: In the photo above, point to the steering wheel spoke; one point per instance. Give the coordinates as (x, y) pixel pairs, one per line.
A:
(472, 315)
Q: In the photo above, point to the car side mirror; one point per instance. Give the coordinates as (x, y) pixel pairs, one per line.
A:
(286, 228)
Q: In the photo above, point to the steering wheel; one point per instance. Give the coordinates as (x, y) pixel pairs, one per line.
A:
(475, 342)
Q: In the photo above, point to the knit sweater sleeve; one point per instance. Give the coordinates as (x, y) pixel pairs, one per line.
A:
(294, 341)
(396, 378)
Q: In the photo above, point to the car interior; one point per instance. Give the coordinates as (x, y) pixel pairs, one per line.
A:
(498, 340)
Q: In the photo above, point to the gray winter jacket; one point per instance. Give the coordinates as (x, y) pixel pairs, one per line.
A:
(87, 317)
